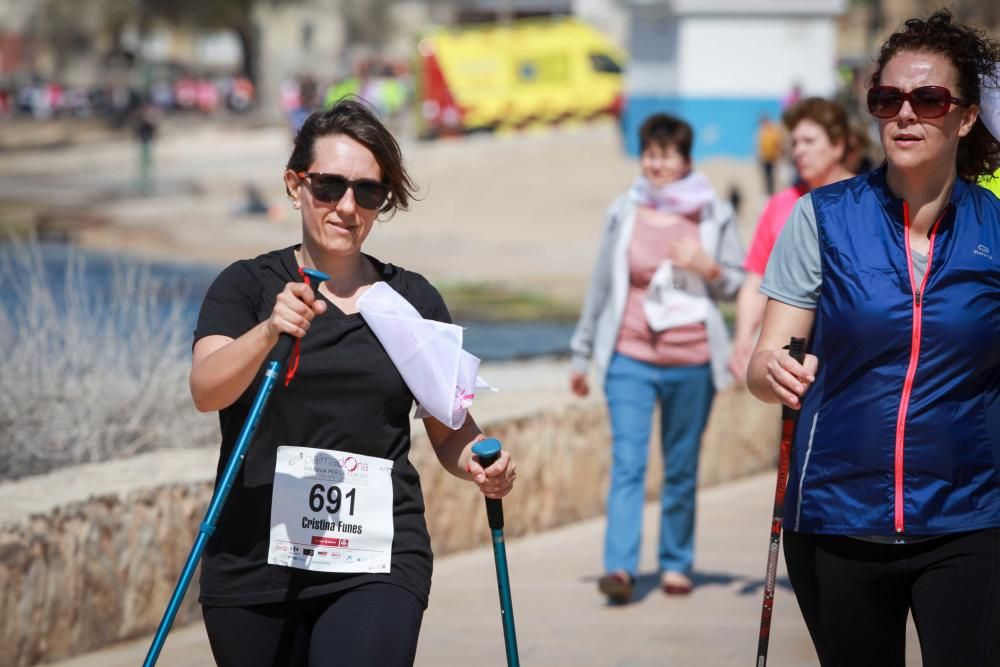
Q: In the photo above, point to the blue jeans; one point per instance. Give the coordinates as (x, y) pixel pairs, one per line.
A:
(685, 394)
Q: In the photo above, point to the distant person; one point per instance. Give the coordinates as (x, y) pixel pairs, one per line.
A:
(241, 95)
(344, 87)
(359, 602)
(254, 202)
(770, 145)
(893, 502)
(206, 95)
(308, 101)
(992, 183)
(146, 122)
(669, 251)
(821, 143)
(990, 115)
(186, 93)
(792, 97)
(289, 96)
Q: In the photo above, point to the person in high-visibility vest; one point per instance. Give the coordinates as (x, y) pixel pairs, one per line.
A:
(992, 183)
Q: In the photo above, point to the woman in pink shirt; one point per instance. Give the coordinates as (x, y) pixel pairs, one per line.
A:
(821, 145)
(650, 322)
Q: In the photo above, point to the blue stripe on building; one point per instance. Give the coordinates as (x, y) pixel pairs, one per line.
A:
(722, 126)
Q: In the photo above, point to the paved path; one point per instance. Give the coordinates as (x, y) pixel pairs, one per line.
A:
(562, 620)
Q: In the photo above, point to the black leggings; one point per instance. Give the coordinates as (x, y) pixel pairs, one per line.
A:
(373, 624)
(855, 596)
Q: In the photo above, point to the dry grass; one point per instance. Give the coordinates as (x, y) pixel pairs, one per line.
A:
(90, 371)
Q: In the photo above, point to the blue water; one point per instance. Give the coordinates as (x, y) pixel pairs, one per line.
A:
(181, 287)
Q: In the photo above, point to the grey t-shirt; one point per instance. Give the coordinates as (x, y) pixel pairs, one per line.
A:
(794, 274)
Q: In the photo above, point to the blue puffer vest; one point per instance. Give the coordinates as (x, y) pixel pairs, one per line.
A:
(900, 433)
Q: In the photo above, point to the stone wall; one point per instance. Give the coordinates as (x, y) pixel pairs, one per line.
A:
(90, 555)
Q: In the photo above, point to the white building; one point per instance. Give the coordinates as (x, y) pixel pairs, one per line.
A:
(722, 64)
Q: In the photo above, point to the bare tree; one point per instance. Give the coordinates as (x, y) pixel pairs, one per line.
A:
(74, 29)
(234, 15)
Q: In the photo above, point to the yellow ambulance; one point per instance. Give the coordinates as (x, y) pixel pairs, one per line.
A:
(515, 73)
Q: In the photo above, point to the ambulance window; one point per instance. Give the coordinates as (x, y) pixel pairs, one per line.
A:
(603, 63)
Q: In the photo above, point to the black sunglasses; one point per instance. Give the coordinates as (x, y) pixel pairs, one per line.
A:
(926, 101)
(330, 188)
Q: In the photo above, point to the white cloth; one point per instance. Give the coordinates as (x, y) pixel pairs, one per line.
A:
(989, 102)
(428, 354)
(675, 297)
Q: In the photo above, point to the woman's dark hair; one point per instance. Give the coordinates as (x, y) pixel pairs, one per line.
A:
(666, 130)
(973, 55)
(830, 115)
(353, 118)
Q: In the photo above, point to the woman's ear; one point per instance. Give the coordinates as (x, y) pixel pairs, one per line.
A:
(968, 119)
(292, 185)
(840, 147)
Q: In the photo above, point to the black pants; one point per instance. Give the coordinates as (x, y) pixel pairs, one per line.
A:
(768, 169)
(373, 624)
(855, 597)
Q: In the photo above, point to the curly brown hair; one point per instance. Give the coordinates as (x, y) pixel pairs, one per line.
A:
(975, 56)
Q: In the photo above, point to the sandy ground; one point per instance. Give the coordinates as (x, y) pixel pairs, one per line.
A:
(524, 209)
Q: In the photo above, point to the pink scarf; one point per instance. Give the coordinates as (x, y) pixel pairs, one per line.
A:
(686, 196)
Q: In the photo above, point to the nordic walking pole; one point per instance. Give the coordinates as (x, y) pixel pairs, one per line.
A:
(488, 451)
(797, 350)
(273, 366)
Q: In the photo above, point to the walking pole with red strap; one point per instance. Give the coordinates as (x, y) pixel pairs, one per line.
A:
(797, 350)
(287, 345)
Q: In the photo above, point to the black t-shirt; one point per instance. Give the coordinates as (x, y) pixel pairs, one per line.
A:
(346, 395)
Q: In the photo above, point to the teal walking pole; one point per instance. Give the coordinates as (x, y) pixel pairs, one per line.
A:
(273, 366)
(488, 451)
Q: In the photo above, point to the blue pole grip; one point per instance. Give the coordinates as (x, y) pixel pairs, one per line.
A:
(286, 342)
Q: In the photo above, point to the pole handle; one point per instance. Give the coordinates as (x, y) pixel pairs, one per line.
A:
(488, 452)
(286, 342)
(797, 350)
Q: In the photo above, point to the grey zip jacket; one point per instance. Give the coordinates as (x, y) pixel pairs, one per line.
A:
(600, 321)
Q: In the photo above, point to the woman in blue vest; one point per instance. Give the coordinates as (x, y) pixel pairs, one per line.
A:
(893, 500)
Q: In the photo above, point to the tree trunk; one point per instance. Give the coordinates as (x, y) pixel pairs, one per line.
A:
(249, 36)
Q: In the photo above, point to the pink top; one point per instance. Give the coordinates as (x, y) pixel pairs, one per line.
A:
(771, 222)
(652, 237)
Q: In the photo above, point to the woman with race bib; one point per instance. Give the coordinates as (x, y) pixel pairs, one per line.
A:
(322, 555)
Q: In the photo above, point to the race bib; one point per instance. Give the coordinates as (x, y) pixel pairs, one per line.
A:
(331, 511)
